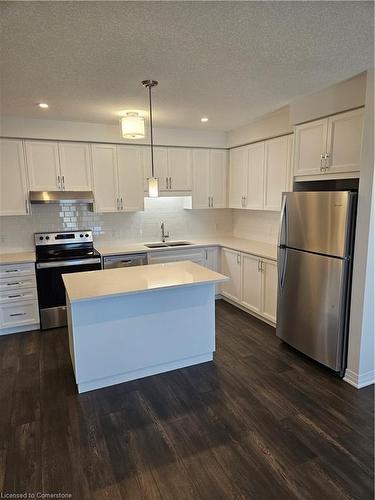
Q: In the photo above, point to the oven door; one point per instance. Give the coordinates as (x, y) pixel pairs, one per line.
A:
(51, 290)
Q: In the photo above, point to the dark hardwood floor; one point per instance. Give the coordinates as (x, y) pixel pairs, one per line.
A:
(261, 422)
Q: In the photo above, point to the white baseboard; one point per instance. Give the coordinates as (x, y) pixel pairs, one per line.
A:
(19, 329)
(361, 380)
(246, 310)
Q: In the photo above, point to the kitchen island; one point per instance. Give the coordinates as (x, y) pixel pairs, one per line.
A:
(133, 322)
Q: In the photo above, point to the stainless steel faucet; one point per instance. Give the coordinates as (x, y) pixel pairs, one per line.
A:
(164, 235)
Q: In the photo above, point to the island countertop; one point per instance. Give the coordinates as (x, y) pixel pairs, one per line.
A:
(129, 280)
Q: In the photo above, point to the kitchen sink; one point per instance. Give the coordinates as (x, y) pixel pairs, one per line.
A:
(178, 243)
(169, 244)
(155, 245)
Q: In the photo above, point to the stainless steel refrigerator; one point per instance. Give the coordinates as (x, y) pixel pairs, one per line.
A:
(315, 251)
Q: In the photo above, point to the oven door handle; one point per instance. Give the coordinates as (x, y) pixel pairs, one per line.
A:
(65, 263)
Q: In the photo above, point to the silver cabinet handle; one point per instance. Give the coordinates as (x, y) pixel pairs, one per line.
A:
(209, 201)
(212, 201)
(118, 204)
(326, 161)
(170, 182)
(322, 168)
(205, 255)
(258, 265)
(122, 204)
(26, 206)
(166, 183)
(238, 258)
(59, 182)
(17, 314)
(63, 182)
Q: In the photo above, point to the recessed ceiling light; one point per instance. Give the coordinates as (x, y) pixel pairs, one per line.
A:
(204, 119)
(42, 105)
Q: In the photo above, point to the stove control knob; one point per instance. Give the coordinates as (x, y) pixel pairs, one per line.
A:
(41, 237)
(86, 235)
(81, 235)
(47, 237)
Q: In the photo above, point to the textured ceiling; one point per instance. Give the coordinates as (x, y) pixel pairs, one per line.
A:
(230, 61)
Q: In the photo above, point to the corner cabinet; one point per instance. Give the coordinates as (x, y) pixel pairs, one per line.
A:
(259, 173)
(117, 177)
(209, 179)
(13, 179)
(329, 146)
(58, 166)
(253, 283)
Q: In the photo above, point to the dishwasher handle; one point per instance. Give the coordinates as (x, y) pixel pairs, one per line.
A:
(124, 261)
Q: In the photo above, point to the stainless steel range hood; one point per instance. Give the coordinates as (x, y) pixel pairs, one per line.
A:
(56, 197)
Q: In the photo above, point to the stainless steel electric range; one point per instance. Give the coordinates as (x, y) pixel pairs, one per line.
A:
(57, 254)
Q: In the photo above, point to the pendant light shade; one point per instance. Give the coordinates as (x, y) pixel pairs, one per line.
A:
(153, 182)
(132, 126)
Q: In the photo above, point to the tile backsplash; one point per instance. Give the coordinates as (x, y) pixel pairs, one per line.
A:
(16, 232)
(256, 225)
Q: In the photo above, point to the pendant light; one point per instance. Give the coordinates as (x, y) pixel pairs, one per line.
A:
(153, 182)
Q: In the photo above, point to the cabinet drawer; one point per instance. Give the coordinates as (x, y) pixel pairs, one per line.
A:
(196, 256)
(14, 282)
(14, 270)
(22, 313)
(18, 295)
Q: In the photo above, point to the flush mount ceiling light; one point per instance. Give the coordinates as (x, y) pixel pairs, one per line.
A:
(153, 182)
(204, 119)
(132, 125)
(42, 105)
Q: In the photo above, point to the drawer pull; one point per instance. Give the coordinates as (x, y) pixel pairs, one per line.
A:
(18, 314)
(13, 270)
(14, 283)
(14, 296)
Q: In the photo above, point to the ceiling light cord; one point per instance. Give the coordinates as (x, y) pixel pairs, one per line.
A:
(151, 135)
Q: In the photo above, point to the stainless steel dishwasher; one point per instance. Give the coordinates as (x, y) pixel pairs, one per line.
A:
(125, 260)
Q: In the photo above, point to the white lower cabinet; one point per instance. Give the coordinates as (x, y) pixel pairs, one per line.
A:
(19, 309)
(231, 267)
(253, 282)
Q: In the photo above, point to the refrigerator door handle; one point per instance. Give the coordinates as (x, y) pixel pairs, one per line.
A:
(281, 265)
(283, 227)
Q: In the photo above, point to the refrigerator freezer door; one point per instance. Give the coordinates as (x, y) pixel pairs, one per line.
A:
(311, 304)
(318, 221)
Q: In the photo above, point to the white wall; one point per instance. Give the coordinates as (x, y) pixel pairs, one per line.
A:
(16, 232)
(270, 125)
(340, 97)
(361, 370)
(32, 128)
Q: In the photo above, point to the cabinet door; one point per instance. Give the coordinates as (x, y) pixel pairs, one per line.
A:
(201, 178)
(345, 141)
(255, 174)
(211, 258)
(309, 143)
(269, 289)
(179, 169)
(104, 170)
(160, 164)
(13, 187)
(130, 178)
(75, 166)
(218, 177)
(237, 177)
(275, 172)
(251, 282)
(42, 159)
(231, 267)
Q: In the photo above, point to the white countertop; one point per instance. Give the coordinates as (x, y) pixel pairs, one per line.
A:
(129, 280)
(17, 257)
(258, 248)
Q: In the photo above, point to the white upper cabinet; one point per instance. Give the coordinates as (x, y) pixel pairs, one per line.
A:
(329, 146)
(259, 173)
(13, 185)
(344, 142)
(209, 178)
(43, 165)
(237, 177)
(276, 171)
(309, 146)
(251, 282)
(179, 169)
(255, 176)
(201, 179)
(105, 178)
(75, 163)
(130, 178)
(218, 178)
